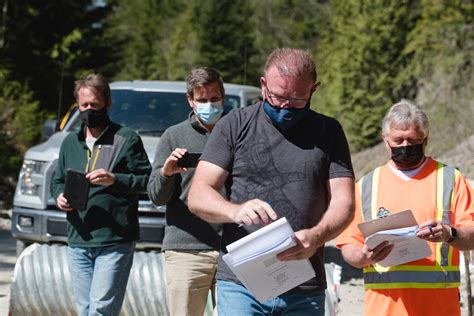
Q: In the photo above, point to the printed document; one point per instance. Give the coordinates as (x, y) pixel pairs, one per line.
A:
(400, 230)
(253, 260)
(407, 246)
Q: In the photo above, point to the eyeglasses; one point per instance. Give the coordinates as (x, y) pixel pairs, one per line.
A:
(278, 100)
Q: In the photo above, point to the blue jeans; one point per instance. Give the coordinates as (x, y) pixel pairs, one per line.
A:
(235, 300)
(99, 277)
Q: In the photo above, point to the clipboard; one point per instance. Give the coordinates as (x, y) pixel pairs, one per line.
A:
(397, 220)
(76, 189)
(407, 247)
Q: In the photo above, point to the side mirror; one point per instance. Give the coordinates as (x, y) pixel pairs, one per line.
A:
(49, 128)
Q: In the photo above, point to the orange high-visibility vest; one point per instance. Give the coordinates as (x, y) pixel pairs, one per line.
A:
(441, 275)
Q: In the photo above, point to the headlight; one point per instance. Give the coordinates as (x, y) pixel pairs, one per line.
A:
(31, 177)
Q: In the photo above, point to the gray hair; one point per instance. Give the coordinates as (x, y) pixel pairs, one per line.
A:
(96, 82)
(403, 115)
(292, 62)
(202, 76)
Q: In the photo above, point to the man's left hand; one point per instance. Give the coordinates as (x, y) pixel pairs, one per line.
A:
(434, 231)
(101, 177)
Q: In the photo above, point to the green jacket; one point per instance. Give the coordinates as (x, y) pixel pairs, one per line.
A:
(111, 216)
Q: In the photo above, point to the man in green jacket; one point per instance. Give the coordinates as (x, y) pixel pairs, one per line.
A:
(101, 237)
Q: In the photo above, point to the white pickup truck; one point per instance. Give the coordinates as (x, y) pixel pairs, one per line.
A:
(148, 107)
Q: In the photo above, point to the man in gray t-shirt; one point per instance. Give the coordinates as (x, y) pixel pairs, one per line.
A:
(277, 152)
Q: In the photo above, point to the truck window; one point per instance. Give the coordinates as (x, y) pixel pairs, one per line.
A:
(230, 103)
(148, 112)
(152, 112)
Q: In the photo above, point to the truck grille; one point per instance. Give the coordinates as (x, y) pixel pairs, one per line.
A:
(153, 234)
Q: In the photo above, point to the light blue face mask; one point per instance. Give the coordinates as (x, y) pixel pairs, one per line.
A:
(210, 112)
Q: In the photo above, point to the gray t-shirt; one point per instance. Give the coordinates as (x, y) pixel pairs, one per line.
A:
(291, 169)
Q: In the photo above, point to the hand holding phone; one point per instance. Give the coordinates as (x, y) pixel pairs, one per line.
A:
(189, 160)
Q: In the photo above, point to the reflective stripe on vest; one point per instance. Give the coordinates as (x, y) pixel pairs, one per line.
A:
(441, 275)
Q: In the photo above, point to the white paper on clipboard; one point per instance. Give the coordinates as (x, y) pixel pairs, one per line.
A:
(398, 229)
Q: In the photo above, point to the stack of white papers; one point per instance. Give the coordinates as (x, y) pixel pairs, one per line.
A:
(253, 260)
(407, 245)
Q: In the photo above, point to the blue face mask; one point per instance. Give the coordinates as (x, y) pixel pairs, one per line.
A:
(210, 112)
(285, 118)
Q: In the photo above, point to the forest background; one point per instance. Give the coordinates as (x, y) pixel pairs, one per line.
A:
(369, 53)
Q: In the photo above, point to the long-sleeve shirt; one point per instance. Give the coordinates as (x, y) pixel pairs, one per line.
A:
(183, 230)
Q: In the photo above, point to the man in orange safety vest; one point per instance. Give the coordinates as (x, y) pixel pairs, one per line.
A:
(442, 203)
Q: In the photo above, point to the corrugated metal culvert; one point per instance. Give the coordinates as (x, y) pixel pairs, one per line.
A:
(42, 284)
(146, 291)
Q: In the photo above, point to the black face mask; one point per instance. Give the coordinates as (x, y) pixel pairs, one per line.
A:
(94, 118)
(408, 156)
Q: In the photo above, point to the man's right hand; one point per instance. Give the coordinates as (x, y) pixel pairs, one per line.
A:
(170, 167)
(63, 204)
(372, 256)
(254, 212)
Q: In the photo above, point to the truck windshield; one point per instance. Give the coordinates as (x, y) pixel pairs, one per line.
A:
(152, 112)
(148, 112)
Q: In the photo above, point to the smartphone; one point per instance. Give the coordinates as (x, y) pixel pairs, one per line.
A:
(189, 160)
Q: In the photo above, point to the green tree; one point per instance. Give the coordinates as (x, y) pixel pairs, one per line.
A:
(47, 43)
(225, 37)
(20, 116)
(43, 45)
(287, 23)
(139, 34)
(363, 55)
(164, 39)
(442, 46)
(183, 43)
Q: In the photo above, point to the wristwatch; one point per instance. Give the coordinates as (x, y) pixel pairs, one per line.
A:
(454, 234)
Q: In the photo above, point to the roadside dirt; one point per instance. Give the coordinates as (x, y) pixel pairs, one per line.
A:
(7, 264)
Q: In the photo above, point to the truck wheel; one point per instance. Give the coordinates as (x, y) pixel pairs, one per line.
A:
(20, 246)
